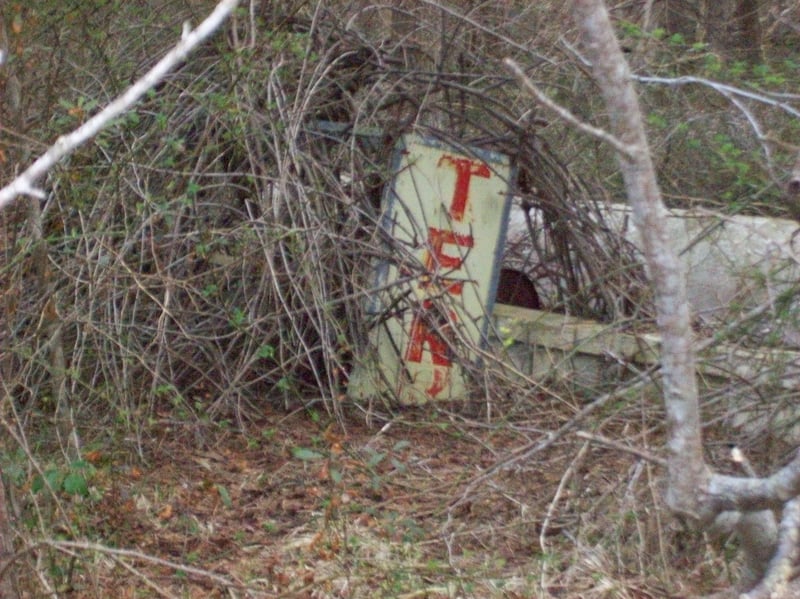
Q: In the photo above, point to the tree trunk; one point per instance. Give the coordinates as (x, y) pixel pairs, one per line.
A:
(745, 30)
(697, 495)
(733, 29)
(687, 471)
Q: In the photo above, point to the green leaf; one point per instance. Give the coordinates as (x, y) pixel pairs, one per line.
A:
(15, 473)
(656, 120)
(305, 454)
(224, 495)
(266, 351)
(238, 317)
(54, 478)
(192, 188)
(376, 458)
(75, 484)
(401, 445)
(336, 476)
(630, 29)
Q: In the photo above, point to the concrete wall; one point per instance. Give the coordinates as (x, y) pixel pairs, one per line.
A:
(733, 263)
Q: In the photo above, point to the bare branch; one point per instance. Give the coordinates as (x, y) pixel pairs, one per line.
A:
(25, 183)
(527, 451)
(732, 93)
(566, 115)
(512, 43)
(565, 478)
(726, 90)
(688, 473)
(749, 494)
(616, 445)
(754, 124)
(71, 547)
(781, 566)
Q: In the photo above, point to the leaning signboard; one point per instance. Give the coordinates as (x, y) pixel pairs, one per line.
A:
(444, 216)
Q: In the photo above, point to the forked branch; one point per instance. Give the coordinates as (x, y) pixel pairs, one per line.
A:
(694, 492)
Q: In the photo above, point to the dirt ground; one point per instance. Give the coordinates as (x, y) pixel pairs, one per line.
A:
(304, 505)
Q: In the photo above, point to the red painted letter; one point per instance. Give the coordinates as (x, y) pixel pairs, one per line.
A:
(427, 329)
(435, 258)
(465, 169)
(431, 326)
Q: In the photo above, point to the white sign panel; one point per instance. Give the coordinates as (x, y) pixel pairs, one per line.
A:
(446, 212)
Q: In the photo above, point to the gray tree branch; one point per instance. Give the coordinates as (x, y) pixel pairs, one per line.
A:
(565, 114)
(779, 572)
(687, 472)
(746, 494)
(693, 491)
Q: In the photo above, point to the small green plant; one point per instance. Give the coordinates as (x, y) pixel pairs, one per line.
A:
(238, 318)
(266, 351)
(72, 480)
(304, 454)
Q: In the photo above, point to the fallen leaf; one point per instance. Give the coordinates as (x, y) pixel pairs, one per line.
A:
(93, 457)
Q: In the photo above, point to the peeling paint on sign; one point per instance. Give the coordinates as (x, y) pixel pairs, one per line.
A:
(446, 212)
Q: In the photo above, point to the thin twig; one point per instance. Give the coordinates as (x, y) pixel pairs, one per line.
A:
(616, 445)
(526, 451)
(565, 478)
(722, 88)
(69, 546)
(144, 578)
(629, 150)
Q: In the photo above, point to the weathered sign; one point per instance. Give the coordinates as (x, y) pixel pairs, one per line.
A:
(446, 213)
